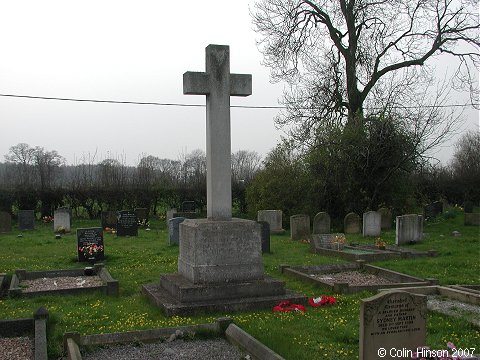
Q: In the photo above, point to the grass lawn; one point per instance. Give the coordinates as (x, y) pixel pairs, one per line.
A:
(326, 332)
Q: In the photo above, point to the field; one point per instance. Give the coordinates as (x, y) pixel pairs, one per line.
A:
(320, 333)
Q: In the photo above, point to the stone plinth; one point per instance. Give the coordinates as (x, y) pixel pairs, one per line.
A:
(220, 251)
(409, 229)
(274, 218)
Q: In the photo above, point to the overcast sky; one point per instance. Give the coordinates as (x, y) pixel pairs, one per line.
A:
(129, 51)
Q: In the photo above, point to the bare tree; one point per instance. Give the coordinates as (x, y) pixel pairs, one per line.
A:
(341, 56)
(21, 156)
(47, 164)
(245, 165)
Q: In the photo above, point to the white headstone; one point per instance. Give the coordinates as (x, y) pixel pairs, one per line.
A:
(372, 222)
(61, 221)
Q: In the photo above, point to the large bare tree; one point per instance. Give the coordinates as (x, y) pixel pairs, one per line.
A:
(342, 57)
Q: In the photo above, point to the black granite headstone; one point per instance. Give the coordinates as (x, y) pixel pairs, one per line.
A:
(26, 219)
(265, 235)
(142, 215)
(433, 210)
(188, 206)
(127, 224)
(90, 244)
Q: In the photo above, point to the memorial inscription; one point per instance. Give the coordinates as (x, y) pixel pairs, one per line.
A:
(127, 224)
(90, 244)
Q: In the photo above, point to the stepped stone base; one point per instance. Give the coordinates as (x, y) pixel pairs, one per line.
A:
(176, 295)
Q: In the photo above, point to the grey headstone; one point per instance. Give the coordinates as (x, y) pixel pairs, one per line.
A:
(321, 223)
(386, 218)
(274, 219)
(174, 230)
(472, 219)
(326, 240)
(26, 219)
(409, 228)
(299, 227)
(61, 220)
(432, 210)
(169, 214)
(90, 244)
(68, 210)
(127, 224)
(265, 235)
(392, 320)
(352, 223)
(109, 219)
(372, 222)
(5, 222)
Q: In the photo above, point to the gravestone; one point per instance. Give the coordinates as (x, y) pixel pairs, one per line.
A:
(321, 223)
(169, 214)
(127, 224)
(327, 241)
(61, 221)
(372, 222)
(386, 218)
(5, 222)
(392, 321)
(26, 219)
(142, 215)
(220, 264)
(468, 207)
(67, 210)
(174, 230)
(90, 244)
(274, 219)
(352, 223)
(299, 227)
(472, 219)
(109, 219)
(409, 229)
(265, 236)
(432, 210)
(188, 206)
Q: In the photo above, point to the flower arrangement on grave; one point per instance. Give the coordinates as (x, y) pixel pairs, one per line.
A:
(338, 241)
(60, 230)
(380, 244)
(143, 222)
(47, 219)
(90, 250)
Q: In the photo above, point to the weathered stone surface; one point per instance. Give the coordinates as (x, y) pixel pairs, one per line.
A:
(218, 84)
(321, 223)
(26, 219)
(61, 221)
(169, 214)
(299, 227)
(372, 222)
(472, 219)
(392, 320)
(386, 218)
(327, 241)
(352, 224)
(265, 236)
(409, 228)
(273, 217)
(5, 222)
(433, 210)
(220, 251)
(174, 230)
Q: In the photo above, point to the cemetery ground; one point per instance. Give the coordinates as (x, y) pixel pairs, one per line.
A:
(327, 332)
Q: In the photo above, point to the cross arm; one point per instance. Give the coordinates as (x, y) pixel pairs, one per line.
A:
(240, 84)
(195, 83)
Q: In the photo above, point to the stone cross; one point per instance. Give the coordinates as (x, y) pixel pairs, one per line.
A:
(218, 85)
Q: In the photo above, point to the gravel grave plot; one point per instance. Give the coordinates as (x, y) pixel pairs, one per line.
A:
(454, 308)
(353, 278)
(61, 282)
(212, 349)
(16, 348)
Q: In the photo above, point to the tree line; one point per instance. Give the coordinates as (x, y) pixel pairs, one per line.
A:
(35, 178)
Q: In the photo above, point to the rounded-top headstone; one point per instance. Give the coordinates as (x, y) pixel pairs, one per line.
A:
(321, 223)
(352, 224)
